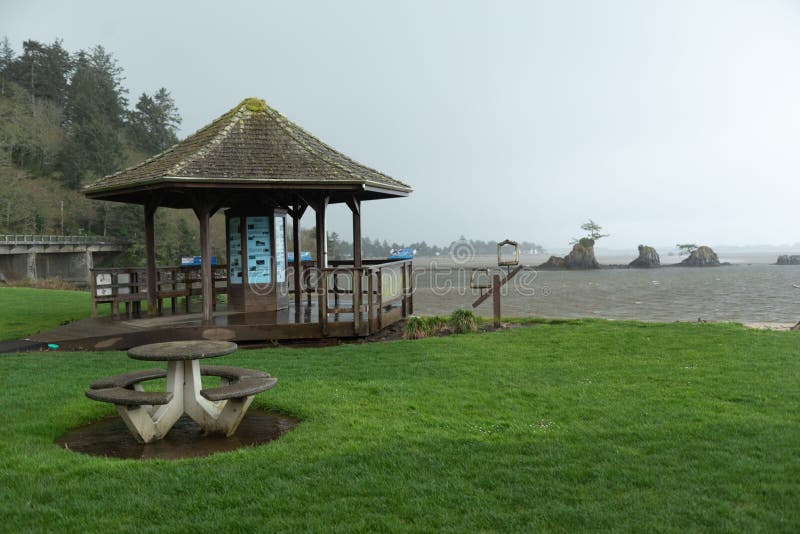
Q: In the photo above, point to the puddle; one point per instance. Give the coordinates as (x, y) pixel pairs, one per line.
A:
(110, 437)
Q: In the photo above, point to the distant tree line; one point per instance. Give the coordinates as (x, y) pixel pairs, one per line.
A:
(339, 248)
(65, 120)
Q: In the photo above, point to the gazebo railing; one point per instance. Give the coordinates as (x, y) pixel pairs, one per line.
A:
(126, 286)
(372, 296)
(349, 300)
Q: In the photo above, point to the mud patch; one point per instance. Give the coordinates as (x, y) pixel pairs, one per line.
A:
(110, 437)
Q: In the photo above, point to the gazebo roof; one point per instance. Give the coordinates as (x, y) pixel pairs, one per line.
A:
(252, 147)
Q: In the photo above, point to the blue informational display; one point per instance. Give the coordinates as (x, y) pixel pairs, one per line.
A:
(280, 251)
(259, 257)
(235, 265)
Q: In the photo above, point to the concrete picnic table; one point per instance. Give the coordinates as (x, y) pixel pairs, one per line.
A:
(150, 415)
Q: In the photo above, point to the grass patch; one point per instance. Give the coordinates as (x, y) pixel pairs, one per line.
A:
(26, 311)
(599, 425)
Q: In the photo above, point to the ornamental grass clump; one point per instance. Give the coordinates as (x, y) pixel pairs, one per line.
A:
(415, 328)
(463, 321)
(436, 324)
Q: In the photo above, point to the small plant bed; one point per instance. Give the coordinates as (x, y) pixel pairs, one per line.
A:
(459, 322)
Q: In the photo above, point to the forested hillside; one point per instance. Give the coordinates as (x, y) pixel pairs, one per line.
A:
(65, 120)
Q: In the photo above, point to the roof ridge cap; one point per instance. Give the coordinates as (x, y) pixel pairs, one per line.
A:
(234, 116)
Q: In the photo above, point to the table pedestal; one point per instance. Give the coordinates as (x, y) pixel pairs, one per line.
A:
(151, 423)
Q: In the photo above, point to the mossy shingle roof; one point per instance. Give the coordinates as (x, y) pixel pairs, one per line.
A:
(251, 144)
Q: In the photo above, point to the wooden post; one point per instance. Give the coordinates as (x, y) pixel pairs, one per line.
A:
(355, 207)
(496, 299)
(319, 209)
(336, 289)
(93, 289)
(410, 288)
(298, 263)
(150, 254)
(207, 281)
(173, 287)
(322, 263)
(403, 286)
(357, 300)
(370, 301)
(379, 298)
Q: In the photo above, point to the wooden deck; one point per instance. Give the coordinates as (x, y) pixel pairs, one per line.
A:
(383, 295)
(106, 333)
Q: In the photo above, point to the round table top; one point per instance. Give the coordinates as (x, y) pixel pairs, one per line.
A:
(182, 350)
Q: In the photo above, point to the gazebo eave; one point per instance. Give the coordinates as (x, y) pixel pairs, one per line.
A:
(178, 194)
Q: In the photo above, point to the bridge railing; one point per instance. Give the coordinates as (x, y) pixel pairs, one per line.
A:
(34, 239)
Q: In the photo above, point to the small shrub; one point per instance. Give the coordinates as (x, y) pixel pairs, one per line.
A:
(415, 328)
(436, 324)
(463, 321)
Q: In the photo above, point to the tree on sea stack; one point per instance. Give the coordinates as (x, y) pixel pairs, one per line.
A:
(582, 254)
(594, 230)
(686, 248)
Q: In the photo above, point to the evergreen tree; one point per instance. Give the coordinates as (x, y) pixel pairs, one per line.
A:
(154, 123)
(94, 115)
(6, 59)
(95, 90)
(43, 70)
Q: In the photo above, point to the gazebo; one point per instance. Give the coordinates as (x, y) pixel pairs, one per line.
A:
(260, 168)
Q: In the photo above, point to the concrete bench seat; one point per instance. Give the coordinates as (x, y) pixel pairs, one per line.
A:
(231, 373)
(246, 387)
(129, 397)
(127, 380)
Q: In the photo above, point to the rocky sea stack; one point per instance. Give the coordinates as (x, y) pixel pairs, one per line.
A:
(788, 260)
(701, 257)
(582, 256)
(648, 258)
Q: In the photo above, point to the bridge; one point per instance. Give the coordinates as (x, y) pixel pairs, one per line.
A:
(53, 256)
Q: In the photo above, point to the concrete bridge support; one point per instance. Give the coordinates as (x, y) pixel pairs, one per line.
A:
(36, 260)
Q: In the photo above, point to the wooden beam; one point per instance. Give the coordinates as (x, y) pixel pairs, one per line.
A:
(202, 208)
(219, 203)
(355, 206)
(150, 256)
(496, 300)
(322, 260)
(319, 209)
(298, 263)
(299, 208)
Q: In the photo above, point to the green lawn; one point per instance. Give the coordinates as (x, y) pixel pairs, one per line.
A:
(25, 311)
(575, 426)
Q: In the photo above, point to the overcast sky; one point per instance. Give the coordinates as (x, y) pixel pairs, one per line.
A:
(664, 121)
